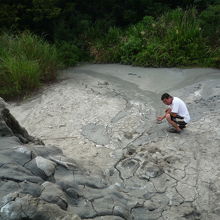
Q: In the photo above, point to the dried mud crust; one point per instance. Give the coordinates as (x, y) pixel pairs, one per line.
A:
(122, 165)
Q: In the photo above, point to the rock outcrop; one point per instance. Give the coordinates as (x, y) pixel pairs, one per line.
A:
(28, 189)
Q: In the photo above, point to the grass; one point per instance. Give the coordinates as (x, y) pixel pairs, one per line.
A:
(26, 61)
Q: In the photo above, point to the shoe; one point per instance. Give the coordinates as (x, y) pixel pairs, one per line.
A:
(173, 130)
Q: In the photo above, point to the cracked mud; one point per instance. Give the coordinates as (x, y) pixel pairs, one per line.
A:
(105, 157)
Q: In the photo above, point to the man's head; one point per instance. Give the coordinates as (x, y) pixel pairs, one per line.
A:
(167, 99)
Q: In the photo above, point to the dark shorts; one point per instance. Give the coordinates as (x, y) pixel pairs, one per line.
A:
(179, 120)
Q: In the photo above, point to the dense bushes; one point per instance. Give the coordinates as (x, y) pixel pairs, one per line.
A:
(210, 23)
(105, 49)
(138, 32)
(174, 39)
(117, 31)
(25, 61)
(179, 37)
(69, 54)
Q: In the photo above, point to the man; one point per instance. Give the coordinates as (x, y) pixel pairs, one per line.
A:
(177, 114)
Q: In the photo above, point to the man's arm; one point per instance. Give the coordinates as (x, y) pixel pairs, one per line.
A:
(173, 114)
(167, 111)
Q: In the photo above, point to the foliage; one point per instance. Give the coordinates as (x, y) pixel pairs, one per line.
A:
(35, 15)
(18, 75)
(138, 32)
(210, 23)
(174, 39)
(133, 42)
(35, 48)
(41, 16)
(69, 54)
(25, 61)
(179, 40)
(106, 50)
(215, 59)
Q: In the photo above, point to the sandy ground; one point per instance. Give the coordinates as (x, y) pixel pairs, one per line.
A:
(93, 112)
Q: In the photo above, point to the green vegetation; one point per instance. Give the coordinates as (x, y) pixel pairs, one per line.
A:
(151, 33)
(25, 61)
(69, 54)
(106, 49)
(210, 23)
(174, 39)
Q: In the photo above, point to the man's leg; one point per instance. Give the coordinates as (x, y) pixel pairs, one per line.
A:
(171, 122)
(181, 124)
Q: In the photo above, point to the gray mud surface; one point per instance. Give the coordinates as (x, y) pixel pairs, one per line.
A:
(128, 167)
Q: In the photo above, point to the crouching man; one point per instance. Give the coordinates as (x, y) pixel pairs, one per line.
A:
(177, 114)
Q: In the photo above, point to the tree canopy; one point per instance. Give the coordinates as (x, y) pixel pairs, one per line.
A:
(52, 17)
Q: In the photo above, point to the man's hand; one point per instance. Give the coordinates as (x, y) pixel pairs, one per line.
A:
(160, 118)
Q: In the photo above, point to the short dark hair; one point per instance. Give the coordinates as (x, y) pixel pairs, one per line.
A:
(165, 96)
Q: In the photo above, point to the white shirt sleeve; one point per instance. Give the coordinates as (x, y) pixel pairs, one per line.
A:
(175, 106)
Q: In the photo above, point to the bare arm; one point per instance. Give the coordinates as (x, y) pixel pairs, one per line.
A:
(173, 114)
(167, 111)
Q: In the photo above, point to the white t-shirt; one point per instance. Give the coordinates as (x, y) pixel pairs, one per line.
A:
(178, 106)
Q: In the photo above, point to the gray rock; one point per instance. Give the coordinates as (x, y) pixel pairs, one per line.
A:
(91, 181)
(19, 154)
(7, 187)
(20, 206)
(5, 130)
(30, 188)
(41, 167)
(46, 152)
(52, 193)
(17, 173)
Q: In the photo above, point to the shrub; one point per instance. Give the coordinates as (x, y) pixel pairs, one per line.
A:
(174, 40)
(106, 49)
(18, 75)
(129, 49)
(137, 36)
(35, 48)
(69, 53)
(210, 23)
(25, 61)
